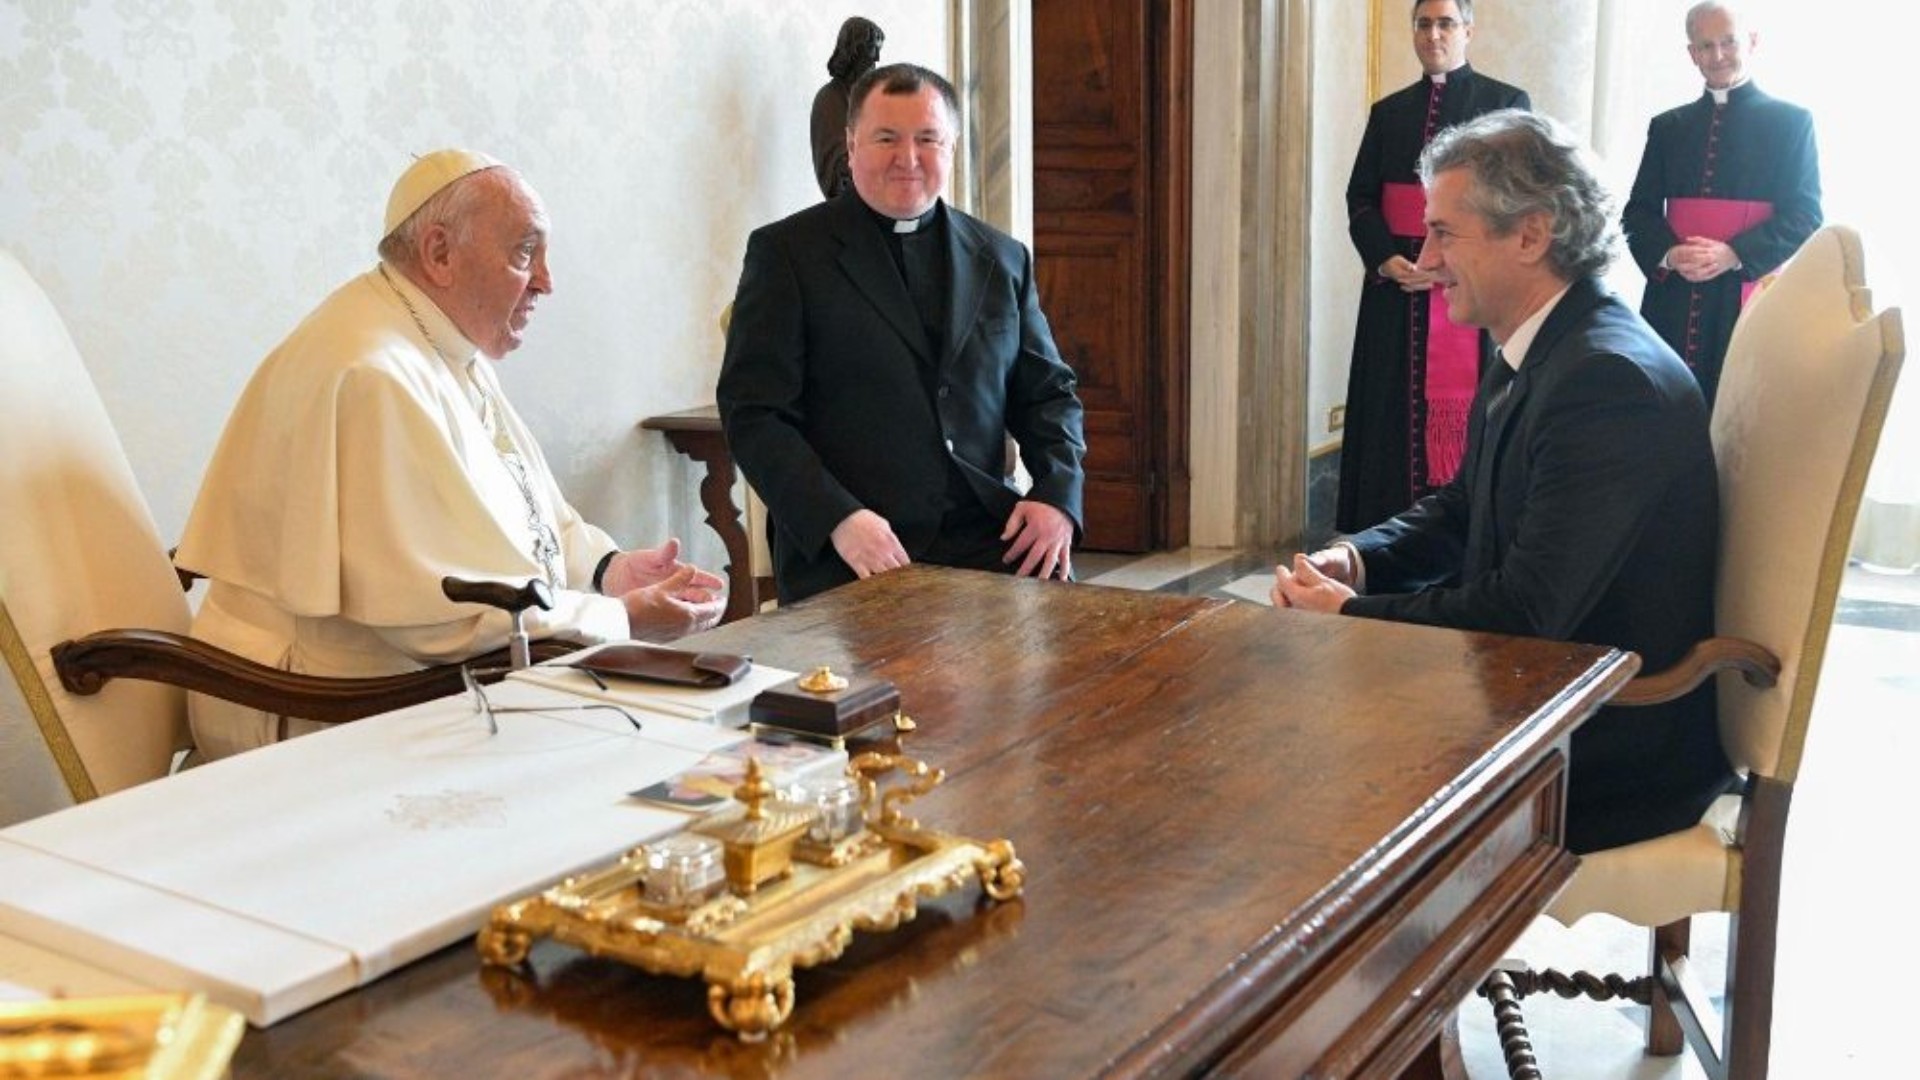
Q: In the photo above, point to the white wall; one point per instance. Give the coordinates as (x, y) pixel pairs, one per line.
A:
(1340, 103)
(187, 178)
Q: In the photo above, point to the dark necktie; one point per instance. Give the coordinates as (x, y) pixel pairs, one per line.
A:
(1499, 386)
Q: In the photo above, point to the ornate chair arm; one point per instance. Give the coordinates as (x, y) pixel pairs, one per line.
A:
(89, 663)
(1710, 657)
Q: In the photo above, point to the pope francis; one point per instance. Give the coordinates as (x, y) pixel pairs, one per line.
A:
(373, 453)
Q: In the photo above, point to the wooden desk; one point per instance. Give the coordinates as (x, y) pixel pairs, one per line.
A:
(696, 433)
(1257, 843)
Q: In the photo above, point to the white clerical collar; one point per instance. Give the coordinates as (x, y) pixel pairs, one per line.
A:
(1439, 79)
(1720, 95)
(1514, 349)
(915, 224)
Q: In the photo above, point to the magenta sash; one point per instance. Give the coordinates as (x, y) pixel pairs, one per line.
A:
(1405, 208)
(1718, 219)
(1452, 367)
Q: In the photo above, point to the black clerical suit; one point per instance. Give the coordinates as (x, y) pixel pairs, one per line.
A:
(840, 392)
(1385, 426)
(1754, 147)
(1586, 510)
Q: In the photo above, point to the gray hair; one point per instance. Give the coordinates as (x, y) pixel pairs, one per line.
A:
(1465, 6)
(1697, 10)
(452, 206)
(1524, 163)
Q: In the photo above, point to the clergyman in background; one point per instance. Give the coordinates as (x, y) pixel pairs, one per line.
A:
(1728, 189)
(1413, 371)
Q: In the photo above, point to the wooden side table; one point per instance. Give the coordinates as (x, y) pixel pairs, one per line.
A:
(696, 433)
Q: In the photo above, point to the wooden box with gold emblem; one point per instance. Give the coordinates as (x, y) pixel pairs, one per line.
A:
(825, 707)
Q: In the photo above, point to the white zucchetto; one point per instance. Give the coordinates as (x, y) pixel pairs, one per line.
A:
(428, 174)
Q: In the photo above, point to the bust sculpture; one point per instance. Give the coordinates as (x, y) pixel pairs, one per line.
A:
(854, 54)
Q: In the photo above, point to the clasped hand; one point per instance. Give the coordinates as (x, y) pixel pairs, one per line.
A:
(664, 597)
(1403, 272)
(1699, 258)
(1319, 582)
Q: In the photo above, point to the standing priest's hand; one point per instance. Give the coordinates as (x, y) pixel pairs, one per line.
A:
(865, 542)
(1042, 540)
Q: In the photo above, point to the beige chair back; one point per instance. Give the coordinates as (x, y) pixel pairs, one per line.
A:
(78, 552)
(1804, 392)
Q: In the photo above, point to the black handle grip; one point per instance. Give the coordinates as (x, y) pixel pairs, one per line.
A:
(534, 593)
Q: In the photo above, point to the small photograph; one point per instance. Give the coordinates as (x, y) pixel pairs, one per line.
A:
(706, 785)
(711, 780)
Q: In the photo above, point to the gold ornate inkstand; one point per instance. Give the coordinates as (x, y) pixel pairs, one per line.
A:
(776, 882)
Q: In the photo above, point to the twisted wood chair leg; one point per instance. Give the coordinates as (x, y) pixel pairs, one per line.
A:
(1505, 988)
(1511, 1025)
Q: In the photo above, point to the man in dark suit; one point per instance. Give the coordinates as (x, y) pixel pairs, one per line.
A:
(883, 346)
(1413, 371)
(1586, 507)
(1728, 189)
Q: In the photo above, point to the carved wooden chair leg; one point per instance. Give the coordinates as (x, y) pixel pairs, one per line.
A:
(1665, 1036)
(1511, 1025)
(1509, 984)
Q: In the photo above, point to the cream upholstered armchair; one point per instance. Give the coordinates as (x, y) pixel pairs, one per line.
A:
(78, 552)
(1804, 393)
(80, 556)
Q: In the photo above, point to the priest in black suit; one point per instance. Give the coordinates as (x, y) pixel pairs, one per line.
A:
(883, 346)
(1586, 508)
(1413, 371)
(1728, 189)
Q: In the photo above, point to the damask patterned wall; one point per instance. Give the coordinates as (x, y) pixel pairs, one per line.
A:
(187, 178)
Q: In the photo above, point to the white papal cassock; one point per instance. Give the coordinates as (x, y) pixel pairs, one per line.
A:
(356, 472)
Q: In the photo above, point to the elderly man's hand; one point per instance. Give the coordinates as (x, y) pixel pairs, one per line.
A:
(677, 605)
(865, 542)
(1310, 586)
(630, 570)
(1042, 537)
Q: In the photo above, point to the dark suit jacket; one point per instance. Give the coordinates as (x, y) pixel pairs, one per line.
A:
(824, 402)
(1586, 510)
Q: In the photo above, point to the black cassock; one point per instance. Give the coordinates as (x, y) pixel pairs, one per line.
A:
(1753, 148)
(1383, 466)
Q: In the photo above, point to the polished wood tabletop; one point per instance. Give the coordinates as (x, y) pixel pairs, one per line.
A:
(1256, 842)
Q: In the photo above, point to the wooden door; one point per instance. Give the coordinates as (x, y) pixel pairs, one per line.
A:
(1110, 213)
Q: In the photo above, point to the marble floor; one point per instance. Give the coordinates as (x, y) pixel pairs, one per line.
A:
(1843, 951)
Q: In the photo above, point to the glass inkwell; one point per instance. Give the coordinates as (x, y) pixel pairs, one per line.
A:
(683, 871)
